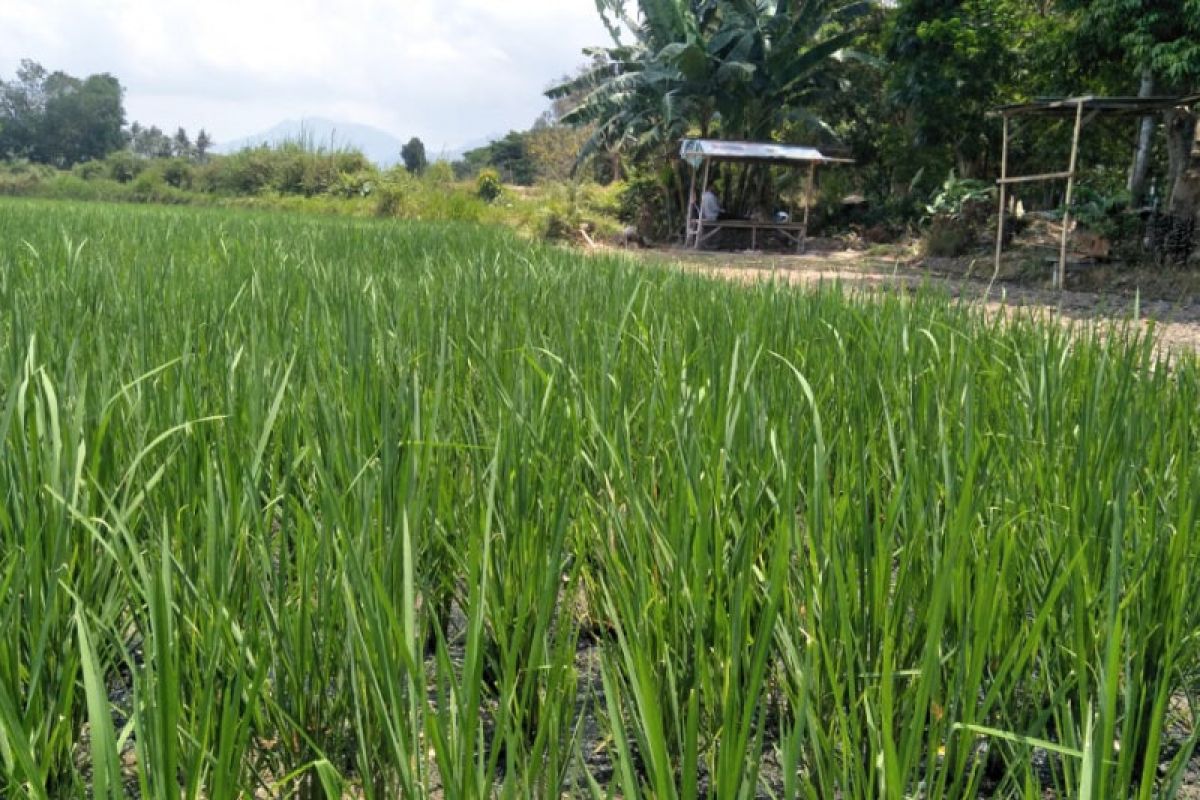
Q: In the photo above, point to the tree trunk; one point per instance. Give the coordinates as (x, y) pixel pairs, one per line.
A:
(1141, 154)
(963, 165)
(1184, 181)
(1184, 171)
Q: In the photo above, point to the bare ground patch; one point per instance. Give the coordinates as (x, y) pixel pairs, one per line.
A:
(1168, 302)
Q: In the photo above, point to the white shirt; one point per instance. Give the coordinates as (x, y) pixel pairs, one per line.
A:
(710, 207)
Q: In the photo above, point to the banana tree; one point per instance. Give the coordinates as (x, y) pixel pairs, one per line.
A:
(735, 69)
(638, 93)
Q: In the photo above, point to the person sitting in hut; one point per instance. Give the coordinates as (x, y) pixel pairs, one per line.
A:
(710, 206)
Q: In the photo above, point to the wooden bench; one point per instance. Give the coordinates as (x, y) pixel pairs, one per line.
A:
(795, 232)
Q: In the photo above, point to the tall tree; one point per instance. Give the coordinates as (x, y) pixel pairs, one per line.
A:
(82, 120)
(55, 118)
(181, 145)
(950, 61)
(634, 94)
(413, 155)
(152, 142)
(203, 145)
(1140, 171)
(552, 149)
(22, 103)
(1154, 45)
(509, 156)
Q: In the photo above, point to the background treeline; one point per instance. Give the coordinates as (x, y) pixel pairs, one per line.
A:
(903, 87)
(58, 119)
(42, 112)
(298, 176)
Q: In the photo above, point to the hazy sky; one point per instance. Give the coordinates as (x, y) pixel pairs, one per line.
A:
(449, 71)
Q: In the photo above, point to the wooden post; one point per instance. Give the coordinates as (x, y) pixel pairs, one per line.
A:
(700, 208)
(1003, 194)
(687, 218)
(1061, 278)
(808, 191)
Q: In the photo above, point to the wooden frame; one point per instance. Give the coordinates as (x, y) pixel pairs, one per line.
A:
(1060, 271)
(1067, 107)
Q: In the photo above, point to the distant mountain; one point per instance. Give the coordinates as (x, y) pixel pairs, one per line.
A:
(378, 145)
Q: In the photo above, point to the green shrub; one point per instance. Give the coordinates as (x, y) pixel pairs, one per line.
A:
(488, 185)
(177, 172)
(65, 186)
(962, 198)
(394, 192)
(295, 168)
(598, 200)
(448, 204)
(246, 173)
(389, 200)
(151, 186)
(642, 203)
(957, 213)
(354, 184)
(23, 177)
(1101, 212)
(439, 173)
(559, 224)
(559, 212)
(123, 166)
(90, 170)
(148, 182)
(288, 173)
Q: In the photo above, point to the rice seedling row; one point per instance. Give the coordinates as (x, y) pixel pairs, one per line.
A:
(325, 507)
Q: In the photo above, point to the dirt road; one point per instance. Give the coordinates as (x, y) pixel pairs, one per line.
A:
(1176, 320)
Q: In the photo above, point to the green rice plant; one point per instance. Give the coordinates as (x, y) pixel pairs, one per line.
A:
(312, 507)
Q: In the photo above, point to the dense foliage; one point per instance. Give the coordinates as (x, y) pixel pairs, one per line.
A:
(737, 70)
(58, 119)
(292, 506)
(904, 86)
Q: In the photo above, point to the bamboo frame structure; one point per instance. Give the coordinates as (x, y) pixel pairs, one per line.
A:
(1067, 107)
(808, 199)
(687, 234)
(1060, 270)
(1004, 181)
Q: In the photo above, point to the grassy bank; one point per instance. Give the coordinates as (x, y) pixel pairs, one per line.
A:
(332, 184)
(314, 506)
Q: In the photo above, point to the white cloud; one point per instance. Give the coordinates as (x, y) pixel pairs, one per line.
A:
(446, 70)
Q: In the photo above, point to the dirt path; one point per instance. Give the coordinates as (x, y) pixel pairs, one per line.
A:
(1176, 321)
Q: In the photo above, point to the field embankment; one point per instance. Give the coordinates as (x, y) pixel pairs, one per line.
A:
(329, 184)
(1165, 305)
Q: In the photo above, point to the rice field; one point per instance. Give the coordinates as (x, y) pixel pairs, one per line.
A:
(299, 507)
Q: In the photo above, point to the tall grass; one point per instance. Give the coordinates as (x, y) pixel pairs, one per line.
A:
(312, 507)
